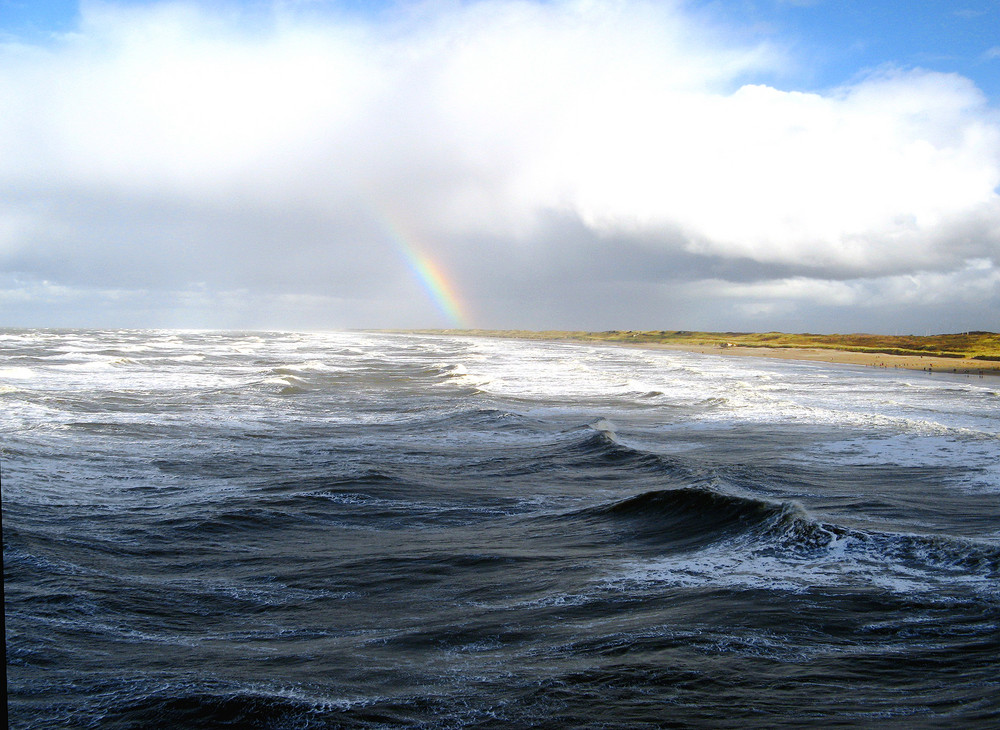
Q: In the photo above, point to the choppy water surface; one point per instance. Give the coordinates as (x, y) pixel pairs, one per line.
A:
(368, 530)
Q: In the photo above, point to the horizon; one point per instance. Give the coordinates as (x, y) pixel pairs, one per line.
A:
(796, 167)
(473, 331)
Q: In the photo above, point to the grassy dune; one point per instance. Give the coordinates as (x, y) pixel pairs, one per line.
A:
(981, 347)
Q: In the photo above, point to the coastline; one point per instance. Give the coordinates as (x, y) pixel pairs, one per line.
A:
(926, 363)
(945, 354)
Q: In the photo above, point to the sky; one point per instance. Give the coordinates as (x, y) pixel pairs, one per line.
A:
(725, 165)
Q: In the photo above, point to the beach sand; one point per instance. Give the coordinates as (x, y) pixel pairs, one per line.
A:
(875, 360)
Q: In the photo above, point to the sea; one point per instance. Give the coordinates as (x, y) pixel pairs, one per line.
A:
(209, 529)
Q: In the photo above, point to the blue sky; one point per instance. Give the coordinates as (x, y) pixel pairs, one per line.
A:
(587, 164)
(837, 39)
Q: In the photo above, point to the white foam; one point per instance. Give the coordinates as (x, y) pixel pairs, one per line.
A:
(845, 562)
(17, 373)
(660, 400)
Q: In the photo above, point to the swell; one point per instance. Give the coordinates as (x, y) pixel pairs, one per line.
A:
(692, 509)
(466, 489)
(254, 708)
(201, 707)
(743, 532)
(598, 444)
(686, 518)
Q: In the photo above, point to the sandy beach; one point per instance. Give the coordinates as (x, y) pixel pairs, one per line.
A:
(875, 360)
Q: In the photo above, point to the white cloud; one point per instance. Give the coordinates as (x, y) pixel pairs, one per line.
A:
(855, 179)
(165, 144)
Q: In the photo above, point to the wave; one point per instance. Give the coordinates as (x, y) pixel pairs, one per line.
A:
(484, 418)
(366, 374)
(370, 500)
(690, 517)
(291, 385)
(208, 706)
(952, 555)
(693, 510)
(309, 366)
(202, 708)
(96, 365)
(700, 535)
(455, 370)
(599, 445)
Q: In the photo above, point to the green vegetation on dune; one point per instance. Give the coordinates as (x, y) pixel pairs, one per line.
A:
(966, 345)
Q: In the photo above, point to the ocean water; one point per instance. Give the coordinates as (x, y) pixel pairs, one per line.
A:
(284, 530)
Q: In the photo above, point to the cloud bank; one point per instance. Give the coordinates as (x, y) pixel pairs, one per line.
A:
(584, 164)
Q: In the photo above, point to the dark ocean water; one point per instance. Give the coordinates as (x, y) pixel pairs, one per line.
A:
(365, 530)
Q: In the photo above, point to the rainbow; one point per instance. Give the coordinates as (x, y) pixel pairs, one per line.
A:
(429, 274)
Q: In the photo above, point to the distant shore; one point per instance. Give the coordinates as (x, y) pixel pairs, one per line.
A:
(927, 363)
(969, 353)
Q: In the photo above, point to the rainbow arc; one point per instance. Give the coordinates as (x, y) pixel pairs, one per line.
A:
(429, 274)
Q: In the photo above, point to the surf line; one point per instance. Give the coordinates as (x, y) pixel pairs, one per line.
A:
(428, 274)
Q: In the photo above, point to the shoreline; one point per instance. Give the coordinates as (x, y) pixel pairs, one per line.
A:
(729, 344)
(926, 363)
